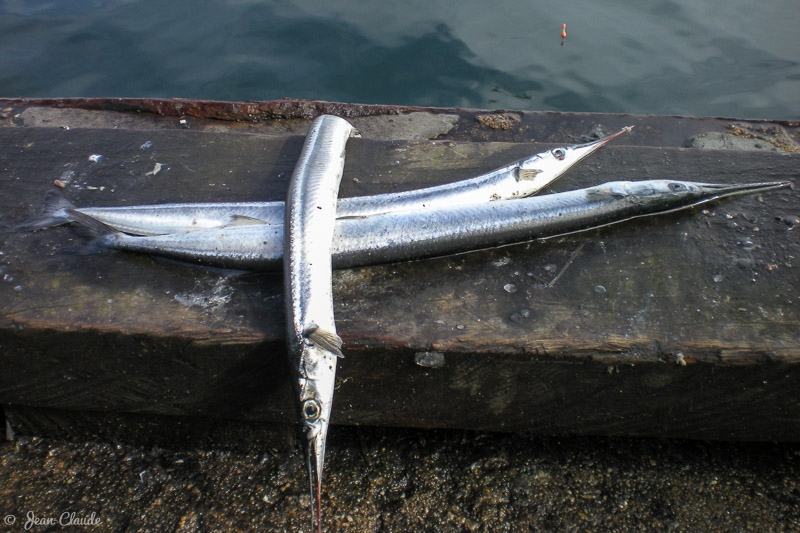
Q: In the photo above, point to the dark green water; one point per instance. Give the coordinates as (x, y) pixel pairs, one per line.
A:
(733, 58)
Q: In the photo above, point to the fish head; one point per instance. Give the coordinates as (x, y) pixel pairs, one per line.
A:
(315, 430)
(676, 194)
(643, 190)
(316, 386)
(686, 190)
(316, 434)
(540, 170)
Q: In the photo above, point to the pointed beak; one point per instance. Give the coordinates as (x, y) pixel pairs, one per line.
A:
(718, 190)
(576, 154)
(316, 464)
(582, 150)
(541, 173)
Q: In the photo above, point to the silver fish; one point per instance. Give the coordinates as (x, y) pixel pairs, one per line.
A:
(311, 332)
(431, 232)
(398, 236)
(521, 178)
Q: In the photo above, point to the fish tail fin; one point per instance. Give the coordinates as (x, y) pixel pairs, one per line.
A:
(53, 213)
(327, 340)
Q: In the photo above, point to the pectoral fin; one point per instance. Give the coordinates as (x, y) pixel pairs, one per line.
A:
(527, 174)
(324, 339)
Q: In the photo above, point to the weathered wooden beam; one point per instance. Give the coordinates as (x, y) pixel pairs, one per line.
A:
(383, 122)
(681, 325)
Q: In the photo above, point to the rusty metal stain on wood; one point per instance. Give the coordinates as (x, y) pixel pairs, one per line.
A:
(532, 126)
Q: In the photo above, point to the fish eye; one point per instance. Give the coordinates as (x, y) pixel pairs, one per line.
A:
(559, 154)
(676, 186)
(310, 410)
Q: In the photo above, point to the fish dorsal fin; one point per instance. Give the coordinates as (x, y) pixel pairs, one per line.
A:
(89, 224)
(324, 339)
(244, 220)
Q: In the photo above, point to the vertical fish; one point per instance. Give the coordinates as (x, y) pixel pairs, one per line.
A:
(313, 343)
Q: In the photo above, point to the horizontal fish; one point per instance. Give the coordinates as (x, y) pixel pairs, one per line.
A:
(518, 179)
(384, 238)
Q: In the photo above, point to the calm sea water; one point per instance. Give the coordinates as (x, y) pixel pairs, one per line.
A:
(735, 58)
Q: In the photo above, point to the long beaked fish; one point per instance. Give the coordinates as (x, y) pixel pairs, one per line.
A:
(313, 343)
(521, 178)
(417, 234)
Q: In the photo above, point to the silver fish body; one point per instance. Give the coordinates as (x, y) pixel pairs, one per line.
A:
(403, 236)
(519, 179)
(417, 234)
(159, 219)
(308, 237)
